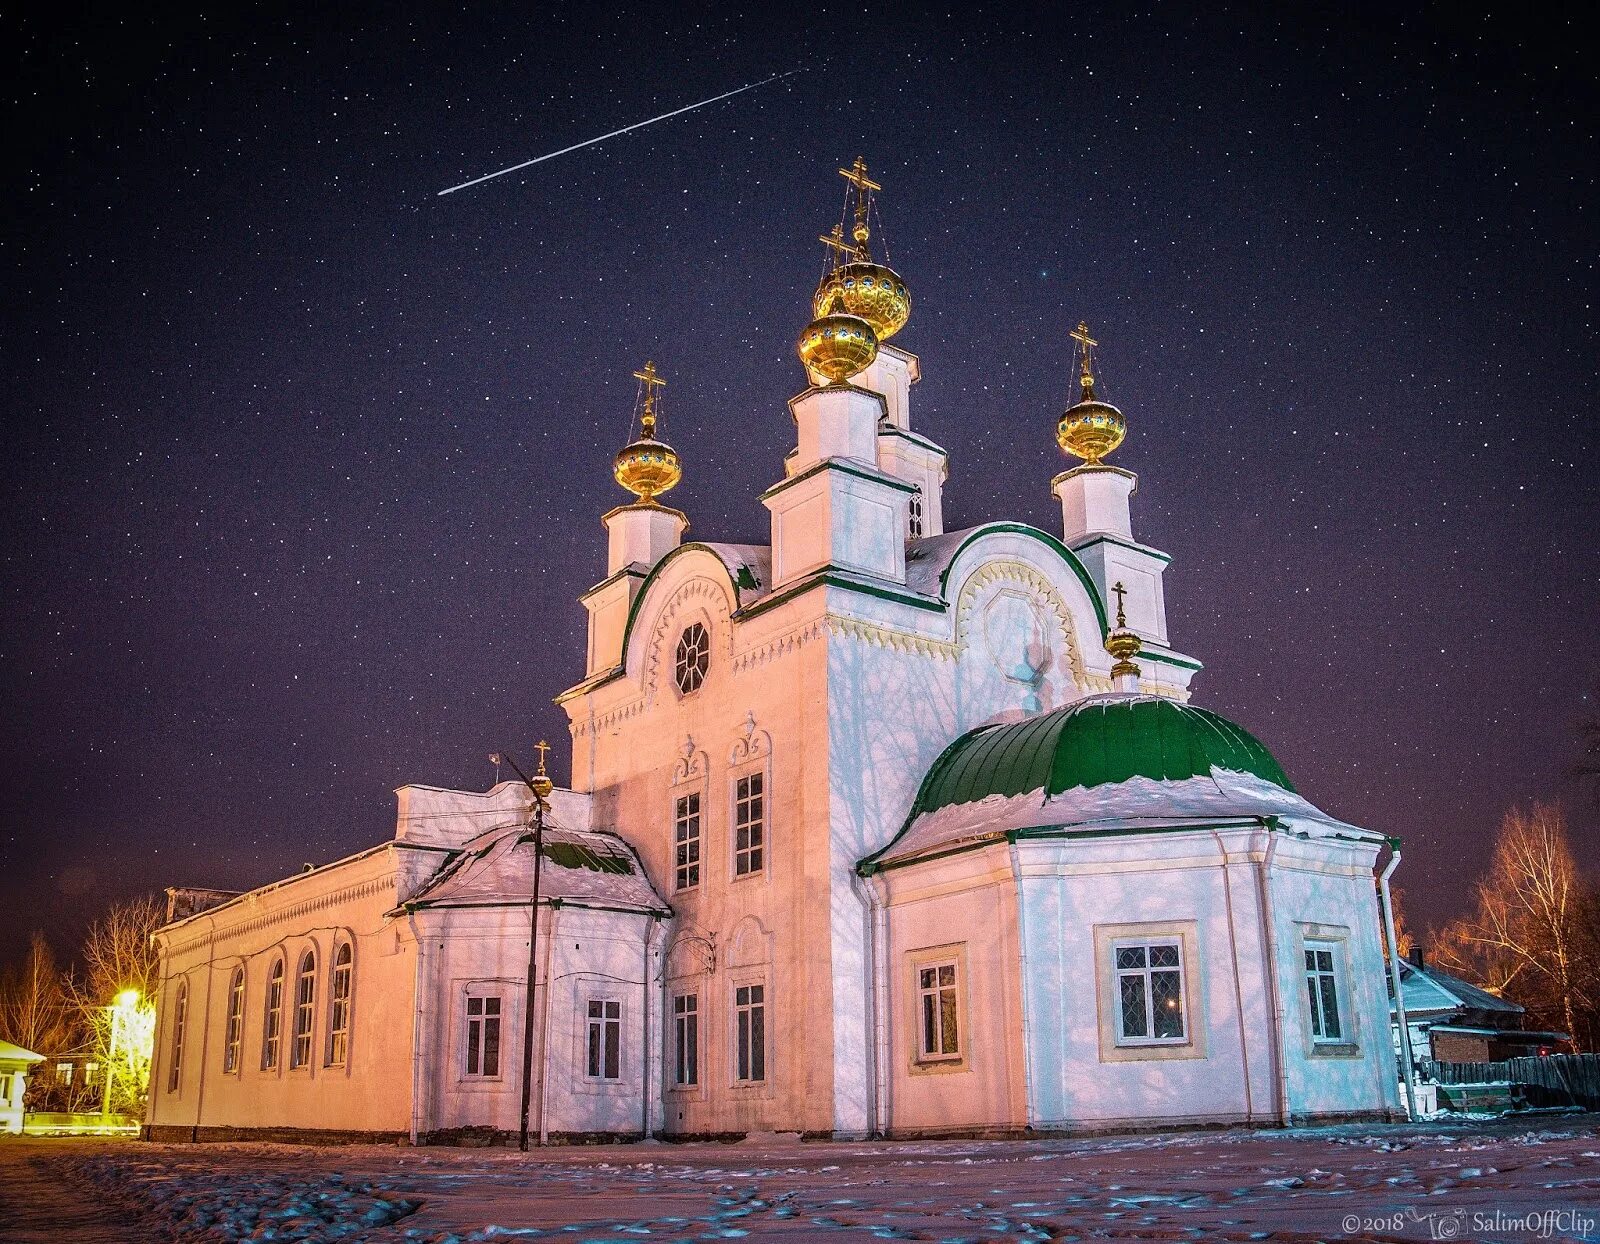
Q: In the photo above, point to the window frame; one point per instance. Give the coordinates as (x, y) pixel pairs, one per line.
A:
(685, 1009)
(483, 995)
(759, 844)
(694, 638)
(302, 1032)
(341, 1003)
(180, 1023)
(1335, 939)
(934, 993)
(272, 1015)
(607, 1059)
(1146, 973)
(233, 1027)
(914, 963)
(748, 1048)
(916, 514)
(687, 873)
(1113, 1047)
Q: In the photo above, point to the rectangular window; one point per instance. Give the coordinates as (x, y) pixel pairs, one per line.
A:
(1322, 991)
(686, 840)
(1149, 991)
(750, 1012)
(605, 1040)
(936, 998)
(483, 1035)
(749, 824)
(686, 1040)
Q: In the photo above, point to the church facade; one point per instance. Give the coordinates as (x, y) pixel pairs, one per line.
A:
(875, 829)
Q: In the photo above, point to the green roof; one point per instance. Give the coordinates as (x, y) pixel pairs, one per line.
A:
(1094, 742)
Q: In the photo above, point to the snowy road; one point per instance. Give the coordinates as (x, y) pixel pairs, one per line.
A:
(1518, 1180)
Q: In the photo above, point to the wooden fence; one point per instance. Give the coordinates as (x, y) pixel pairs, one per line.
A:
(1556, 1080)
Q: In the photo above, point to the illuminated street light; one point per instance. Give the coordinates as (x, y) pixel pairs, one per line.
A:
(122, 1011)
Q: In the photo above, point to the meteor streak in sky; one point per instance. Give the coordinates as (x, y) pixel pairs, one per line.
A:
(589, 142)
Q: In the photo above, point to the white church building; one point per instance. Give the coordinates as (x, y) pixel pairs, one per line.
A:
(875, 829)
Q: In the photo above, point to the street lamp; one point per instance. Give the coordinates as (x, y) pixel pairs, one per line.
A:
(539, 786)
(122, 1009)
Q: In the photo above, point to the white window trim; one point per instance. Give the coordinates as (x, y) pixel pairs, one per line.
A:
(344, 942)
(683, 633)
(763, 771)
(231, 1048)
(1337, 939)
(1147, 944)
(307, 1065)
(482, 989)
(674, 1085)
(604, 999)
(918, 1062)
(279, 960)
(696, 791)
(1114, 1048)
(737, 982)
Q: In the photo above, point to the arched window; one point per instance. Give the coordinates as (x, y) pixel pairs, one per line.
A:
(234, 1043)
(180, 1019)
(272, 1023)
(693, 658)
(339, 1007)
(305, 998)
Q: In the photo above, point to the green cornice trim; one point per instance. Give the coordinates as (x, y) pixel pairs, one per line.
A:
(834, 464)
(1164, 558)
(1045, 538)
(837, 576)
(628, 571)
(1171, 658)
(890, 430)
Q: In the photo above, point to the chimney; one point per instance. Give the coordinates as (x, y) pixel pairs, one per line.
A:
(1415, 957)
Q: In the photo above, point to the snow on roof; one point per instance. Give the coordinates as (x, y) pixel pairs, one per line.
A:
(749, 565)
(928, 558)
(583, 867)
(1138, 803)
(16, 1054)
(1429, 989)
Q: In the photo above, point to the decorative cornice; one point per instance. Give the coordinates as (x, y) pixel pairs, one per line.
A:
(294, 911)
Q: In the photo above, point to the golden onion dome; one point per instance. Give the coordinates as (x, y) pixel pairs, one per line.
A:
(870, 290)
(1090, 430)
(837, 345)
(647, 468)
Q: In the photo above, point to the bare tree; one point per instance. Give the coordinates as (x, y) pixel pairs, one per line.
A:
(1528, 934)
(34, 1012)
(118, 955)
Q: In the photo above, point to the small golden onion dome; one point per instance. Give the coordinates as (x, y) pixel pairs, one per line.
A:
(870, 290)
(1124, 645)
(837, 346)
(1090, 430)
(647, 468)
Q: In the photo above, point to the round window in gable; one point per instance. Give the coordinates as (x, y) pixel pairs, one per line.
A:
(694, 654)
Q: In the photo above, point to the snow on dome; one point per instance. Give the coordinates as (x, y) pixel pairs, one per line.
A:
(1105, 761)
(580, 867)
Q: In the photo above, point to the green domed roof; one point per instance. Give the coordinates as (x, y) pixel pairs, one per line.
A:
(1094, 742)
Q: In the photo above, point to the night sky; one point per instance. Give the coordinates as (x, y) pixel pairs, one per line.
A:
(304, 464)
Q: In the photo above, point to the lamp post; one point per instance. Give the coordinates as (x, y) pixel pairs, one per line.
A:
(539, 786)
(126, 1001)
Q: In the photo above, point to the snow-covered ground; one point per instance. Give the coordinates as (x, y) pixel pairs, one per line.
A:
(1533, 1178)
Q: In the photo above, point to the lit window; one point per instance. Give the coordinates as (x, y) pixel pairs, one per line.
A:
(915, 514)
(1150, 991)
(686, 840)
(1322, 990)
(936, 999)
(483, 1035)
(63, 1073)
(605, 1040)
(694, 655)
(749, 824)
(272, 1021)
(686, 1039)
(180, 1018)
(750, 1028)
(339, 1007)
(305, 997)
(233, 1034)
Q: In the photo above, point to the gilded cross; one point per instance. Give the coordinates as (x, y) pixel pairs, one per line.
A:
(856, 175)
(1122, 619)
(542, 747)
(652, 382)
(1086, 371)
